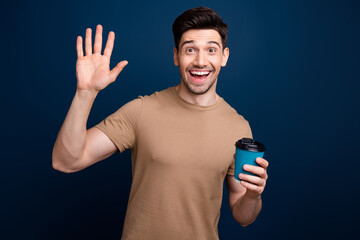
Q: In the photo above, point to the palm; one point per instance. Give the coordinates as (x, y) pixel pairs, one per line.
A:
(93, 71)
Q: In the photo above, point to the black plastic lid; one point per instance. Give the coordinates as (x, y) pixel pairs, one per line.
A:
(250, 145)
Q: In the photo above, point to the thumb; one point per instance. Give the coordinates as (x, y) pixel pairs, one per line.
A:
(116, 70)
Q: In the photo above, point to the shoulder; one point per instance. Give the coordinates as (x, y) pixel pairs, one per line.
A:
(231, 113)
(158, 98)
(134, 106)
(157, 95)
(235, 121)
(138, 102)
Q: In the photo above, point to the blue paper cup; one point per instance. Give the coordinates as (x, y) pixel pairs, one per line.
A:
(247, 150)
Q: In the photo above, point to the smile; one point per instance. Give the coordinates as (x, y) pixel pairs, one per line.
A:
(199, 76)
(199, 73)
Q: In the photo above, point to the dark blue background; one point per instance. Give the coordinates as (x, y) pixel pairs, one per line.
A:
(293, 72)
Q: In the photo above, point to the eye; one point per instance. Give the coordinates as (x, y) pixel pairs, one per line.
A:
(212, 50)
(189, 50)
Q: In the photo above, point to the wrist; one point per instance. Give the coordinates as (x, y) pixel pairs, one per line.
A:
(86, 94)
(252, 195)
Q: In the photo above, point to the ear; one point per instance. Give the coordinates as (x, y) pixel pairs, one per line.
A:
(176, 61)
(225, 57)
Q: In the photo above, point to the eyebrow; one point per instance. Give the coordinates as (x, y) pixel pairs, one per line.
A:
(192, 41)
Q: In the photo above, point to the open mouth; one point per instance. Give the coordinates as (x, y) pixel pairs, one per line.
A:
(199, 76)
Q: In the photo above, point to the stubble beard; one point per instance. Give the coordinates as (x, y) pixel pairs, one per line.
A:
(198, 90)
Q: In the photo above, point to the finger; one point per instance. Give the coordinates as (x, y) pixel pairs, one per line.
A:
(88, 49)
(252, 187)
(79, 48)
(109, 44)
(98, 39)
(262, 162)
(259, 171)
(116, 70)
(252, 179)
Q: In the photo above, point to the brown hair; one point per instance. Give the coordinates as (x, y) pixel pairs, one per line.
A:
(199, 18)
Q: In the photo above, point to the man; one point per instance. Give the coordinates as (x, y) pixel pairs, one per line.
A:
(181, 139)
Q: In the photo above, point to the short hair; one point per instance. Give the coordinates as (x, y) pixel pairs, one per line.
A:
(199, 18)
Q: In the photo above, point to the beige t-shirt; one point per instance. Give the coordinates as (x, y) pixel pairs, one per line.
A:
(181, 154)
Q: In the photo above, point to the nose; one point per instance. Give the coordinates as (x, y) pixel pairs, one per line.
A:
(200, 60)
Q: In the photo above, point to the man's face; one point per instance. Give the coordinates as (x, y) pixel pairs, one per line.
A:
(200, 58)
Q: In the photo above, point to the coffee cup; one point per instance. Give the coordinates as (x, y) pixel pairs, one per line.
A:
(247, 150)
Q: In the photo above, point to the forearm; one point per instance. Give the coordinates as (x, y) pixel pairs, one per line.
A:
(246, 210)
(70, 142)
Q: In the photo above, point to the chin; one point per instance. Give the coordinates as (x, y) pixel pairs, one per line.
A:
(198, 89)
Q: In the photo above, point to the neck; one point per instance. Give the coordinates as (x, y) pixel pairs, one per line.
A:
(207, 99)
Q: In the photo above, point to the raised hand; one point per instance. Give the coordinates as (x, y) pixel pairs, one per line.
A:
(93, 70)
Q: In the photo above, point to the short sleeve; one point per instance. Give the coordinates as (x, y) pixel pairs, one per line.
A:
(121, 126)
(248, 134)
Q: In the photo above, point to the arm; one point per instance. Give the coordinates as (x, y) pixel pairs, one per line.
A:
(245, 197)
(76, 147)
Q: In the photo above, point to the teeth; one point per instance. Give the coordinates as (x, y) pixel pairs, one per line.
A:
(199, 73)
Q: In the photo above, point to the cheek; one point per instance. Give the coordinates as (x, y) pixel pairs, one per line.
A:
(216, 60)
(217, 64)
(182, 69)
(183, 65)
